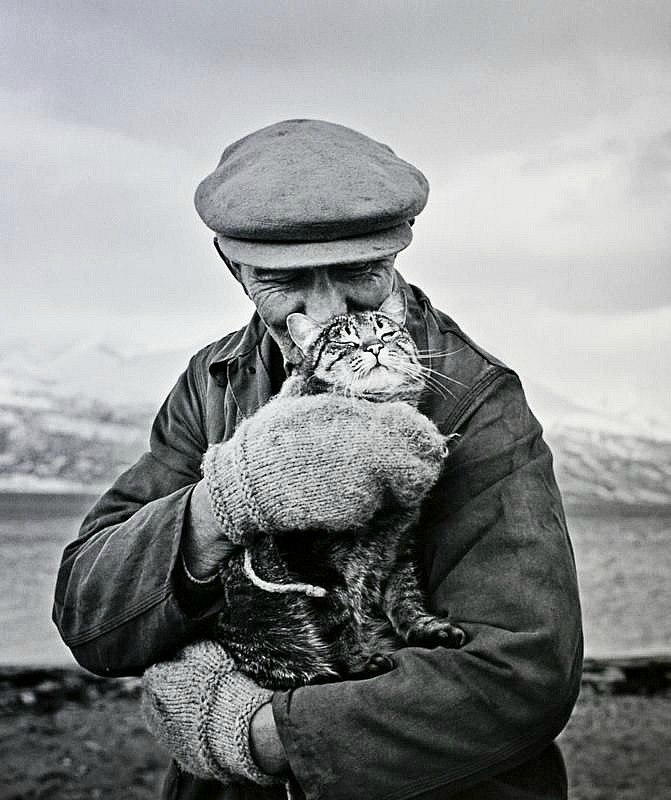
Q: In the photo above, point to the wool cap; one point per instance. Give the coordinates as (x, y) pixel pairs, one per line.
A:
(306, 192)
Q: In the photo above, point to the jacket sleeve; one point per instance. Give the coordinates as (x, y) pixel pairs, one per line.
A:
(498, 557)
(115, 604)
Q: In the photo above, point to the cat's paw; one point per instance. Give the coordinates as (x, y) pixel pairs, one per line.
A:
(377, 664)
(437, 633)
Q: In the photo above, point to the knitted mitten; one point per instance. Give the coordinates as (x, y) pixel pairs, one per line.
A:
(321, 462)
(199, 707)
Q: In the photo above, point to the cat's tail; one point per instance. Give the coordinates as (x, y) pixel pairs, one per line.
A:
(308, 589)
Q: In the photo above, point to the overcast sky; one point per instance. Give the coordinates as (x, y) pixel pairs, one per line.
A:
(544, 129)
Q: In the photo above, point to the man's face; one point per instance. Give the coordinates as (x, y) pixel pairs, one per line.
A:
(319, 292)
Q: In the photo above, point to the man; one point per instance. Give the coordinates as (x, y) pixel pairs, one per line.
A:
(309, 217)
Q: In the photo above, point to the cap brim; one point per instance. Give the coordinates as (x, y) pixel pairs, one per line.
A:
(293, 255)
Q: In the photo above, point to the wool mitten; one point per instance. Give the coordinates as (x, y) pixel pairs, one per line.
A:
(199, 707)
(322, 462)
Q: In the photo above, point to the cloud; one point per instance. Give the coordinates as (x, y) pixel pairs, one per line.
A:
(612, 361)
(581, 219)
(543, 127)
(651, 169)
(100, 219)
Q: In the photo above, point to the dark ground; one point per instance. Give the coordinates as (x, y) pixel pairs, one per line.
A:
(89, 742)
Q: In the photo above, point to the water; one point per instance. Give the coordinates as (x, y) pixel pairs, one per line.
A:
(34, 529)
(623, 566)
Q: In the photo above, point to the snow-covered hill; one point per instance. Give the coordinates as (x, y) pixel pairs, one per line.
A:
(55, 441)
(619, 460)
(72, 419)
(597, 467)
(94, 369)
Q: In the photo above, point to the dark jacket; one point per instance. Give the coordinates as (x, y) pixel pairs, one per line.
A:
(496, 554)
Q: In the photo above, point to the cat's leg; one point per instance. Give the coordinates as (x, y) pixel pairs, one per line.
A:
(405, 605)
(375, 665)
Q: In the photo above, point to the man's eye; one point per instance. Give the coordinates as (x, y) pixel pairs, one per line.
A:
(278, 276)
(357, 269)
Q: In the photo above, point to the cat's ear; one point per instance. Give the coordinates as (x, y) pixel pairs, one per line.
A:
(395, 307)
(302, 330)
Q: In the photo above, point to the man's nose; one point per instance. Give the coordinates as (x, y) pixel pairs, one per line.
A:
(324, 297)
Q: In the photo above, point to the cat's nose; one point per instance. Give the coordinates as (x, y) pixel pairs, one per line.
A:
(374, 348)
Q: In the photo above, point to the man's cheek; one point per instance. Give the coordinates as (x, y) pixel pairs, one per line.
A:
(373, 293)
(274, 307)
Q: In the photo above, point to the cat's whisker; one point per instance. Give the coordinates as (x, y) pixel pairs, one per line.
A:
(428, 380)
(429, 356)
(429, 353)
(433, 383)
(430, 370)
(398, 364)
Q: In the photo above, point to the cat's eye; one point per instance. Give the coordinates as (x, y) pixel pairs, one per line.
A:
(336, 346)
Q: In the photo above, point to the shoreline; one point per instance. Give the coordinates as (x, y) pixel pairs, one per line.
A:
(46, 688)
(69, 734)
(46, 490)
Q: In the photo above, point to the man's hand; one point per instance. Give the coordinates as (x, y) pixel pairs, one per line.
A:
(265, 743)
(199, 707)
(321, 462)
(204, 545)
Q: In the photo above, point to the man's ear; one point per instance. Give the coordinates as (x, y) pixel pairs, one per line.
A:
(395, 306)
(302, 330)
(233, 267)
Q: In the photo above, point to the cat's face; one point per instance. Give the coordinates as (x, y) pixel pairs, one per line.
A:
(319, 292)
(367, 354)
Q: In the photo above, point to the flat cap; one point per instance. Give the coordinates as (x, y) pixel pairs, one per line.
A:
(306, 192)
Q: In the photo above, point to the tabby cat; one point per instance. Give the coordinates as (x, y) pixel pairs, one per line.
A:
(323, 606)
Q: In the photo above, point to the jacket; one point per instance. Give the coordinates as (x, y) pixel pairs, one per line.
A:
(477, 722)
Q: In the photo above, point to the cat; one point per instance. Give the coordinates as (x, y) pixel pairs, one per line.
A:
(324, 606)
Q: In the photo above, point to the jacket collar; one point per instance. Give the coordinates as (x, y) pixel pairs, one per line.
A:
(238, 344)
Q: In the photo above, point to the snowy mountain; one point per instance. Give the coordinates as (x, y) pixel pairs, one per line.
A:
(94, 369)
(597, 468)
(72, 418)
(604, 459)
(54, 441)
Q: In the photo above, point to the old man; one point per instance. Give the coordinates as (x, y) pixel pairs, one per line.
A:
(310, 216)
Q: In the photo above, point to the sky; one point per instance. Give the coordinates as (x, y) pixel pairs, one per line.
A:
(544, 129)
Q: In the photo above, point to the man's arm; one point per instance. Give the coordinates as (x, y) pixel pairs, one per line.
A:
(498, 558)
(141, 577)
(115, 601)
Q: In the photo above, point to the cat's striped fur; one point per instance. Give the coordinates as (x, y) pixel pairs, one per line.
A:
(323, 606)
